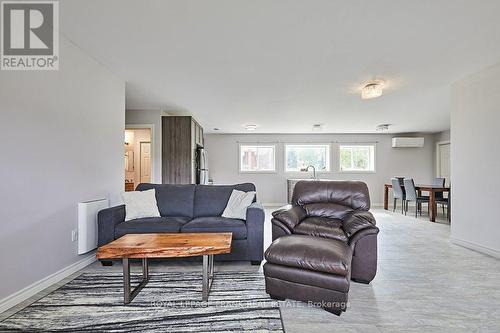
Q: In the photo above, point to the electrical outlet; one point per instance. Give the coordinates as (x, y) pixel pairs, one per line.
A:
(74, 235)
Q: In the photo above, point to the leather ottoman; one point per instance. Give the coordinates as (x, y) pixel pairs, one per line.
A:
(309, 269)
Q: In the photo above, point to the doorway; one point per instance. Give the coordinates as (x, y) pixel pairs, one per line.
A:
(145, 162)
(138, 157)
(443, 161)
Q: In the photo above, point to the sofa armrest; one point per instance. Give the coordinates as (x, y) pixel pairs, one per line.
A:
(256, 211)
(107, 219)
(359, 224)
(290, 216)
(255, 231)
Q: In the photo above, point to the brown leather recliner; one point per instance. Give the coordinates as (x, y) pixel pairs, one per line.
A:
(334, 210)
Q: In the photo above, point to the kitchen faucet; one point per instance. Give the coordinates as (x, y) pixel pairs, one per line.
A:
(307, 169)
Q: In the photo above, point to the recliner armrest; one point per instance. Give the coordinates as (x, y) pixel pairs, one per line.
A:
(359, 222)
(290, 216)
(362, 233)
(107, 219)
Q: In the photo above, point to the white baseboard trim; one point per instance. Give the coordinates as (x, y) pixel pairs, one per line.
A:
(475, 247)
(46, 282)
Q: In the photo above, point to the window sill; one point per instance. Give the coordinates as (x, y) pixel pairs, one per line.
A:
(307, 172)
(258, 172)
(357, 172)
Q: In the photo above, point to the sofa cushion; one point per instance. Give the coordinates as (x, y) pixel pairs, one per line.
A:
(172, 200)
(238, 204)
(217, 224)
(331, 210)
(307, 277)
(321, 227)
(312, 253)
(211, 200)
(150, 225)
(140, 204)
(352, 194)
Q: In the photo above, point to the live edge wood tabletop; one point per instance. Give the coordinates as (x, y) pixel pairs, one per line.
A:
(166, 245)
(145, 246)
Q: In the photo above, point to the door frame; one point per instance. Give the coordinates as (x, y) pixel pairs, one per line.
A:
(438, 157)
(152, 142)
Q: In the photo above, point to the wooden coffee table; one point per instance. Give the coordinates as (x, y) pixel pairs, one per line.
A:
(146, 246)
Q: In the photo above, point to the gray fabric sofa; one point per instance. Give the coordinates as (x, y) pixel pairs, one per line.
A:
(191, 208)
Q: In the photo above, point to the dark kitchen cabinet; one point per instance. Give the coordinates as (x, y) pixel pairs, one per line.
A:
(181, 136)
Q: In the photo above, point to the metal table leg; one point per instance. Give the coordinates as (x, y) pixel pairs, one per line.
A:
(129, 295)
(211, 267)
(208, 276)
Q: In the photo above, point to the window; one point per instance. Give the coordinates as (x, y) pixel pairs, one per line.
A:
(298, 157)
(357, 158)
(257, 158)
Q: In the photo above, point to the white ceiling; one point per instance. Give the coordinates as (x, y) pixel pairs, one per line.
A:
(288, 64)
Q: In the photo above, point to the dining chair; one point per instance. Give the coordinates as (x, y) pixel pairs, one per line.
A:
(398, 193)
(411, 195)
(441, 200)
(445, 202)
(439, 195)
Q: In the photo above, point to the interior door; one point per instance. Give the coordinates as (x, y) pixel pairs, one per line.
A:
(444, 162)
(145, 167)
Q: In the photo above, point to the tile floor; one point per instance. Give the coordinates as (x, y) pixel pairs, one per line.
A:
(424, 284)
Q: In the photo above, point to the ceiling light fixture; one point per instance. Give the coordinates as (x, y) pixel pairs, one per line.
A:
(250, 127)
(372, 90)
(383, 127)
(317, 128)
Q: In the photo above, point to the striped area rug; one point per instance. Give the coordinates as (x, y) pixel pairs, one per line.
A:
(170, 302)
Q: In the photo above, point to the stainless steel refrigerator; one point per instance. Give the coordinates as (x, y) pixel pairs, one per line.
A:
(202, 169)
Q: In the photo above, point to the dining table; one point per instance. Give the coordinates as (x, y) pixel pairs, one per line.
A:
(432, 189)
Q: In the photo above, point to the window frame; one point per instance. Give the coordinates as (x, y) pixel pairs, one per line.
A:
(328, 156)
(260, 144)
(352, 145)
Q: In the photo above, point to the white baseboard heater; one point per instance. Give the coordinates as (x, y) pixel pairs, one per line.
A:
(87, 223)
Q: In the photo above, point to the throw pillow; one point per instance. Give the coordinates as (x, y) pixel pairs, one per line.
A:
(237, 205)
(139, 204)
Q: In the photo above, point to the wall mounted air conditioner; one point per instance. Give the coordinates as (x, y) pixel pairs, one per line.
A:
(406, 142)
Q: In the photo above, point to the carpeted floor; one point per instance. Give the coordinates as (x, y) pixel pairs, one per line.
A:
(170, 302)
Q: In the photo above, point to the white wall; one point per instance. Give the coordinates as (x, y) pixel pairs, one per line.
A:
(475, 159)
(61, 139)
(149, 117)
(410, 162)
